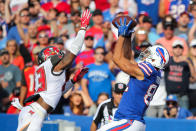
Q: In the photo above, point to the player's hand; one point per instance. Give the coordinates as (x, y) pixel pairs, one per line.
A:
(86, 15)
(79, 74)
(123, 29)
(15, 102)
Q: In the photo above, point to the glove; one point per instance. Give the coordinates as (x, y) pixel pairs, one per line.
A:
(86, 15)
(123, 29)
(79, 74)
(15, 102)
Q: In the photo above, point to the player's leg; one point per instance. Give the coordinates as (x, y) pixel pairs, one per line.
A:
(24, 118)
(116, 125)
(136, 126)
(38, 117)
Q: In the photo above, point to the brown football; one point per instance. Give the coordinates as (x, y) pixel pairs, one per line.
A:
(133, 24)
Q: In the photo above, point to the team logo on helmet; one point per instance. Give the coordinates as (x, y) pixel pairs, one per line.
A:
(47, 52)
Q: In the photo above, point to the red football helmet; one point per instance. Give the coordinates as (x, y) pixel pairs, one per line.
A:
(47, 52)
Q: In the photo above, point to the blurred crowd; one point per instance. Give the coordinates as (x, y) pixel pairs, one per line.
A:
(28, 26)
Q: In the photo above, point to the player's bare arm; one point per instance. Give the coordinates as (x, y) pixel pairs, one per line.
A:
(76, 45)
(23, 93)
(118, 57)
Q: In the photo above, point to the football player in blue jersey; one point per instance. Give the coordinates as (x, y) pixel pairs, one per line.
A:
(144, 81)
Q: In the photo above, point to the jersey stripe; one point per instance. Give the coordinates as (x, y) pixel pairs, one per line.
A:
(147, 67)
(141, 66)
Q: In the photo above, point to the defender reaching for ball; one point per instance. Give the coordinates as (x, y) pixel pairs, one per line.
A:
(144, 81)
(50, 80)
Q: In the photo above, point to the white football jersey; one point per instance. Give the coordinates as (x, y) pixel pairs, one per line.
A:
(49, 85)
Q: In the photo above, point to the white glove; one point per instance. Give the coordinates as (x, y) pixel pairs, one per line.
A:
(15, 102)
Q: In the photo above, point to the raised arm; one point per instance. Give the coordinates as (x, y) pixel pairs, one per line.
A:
(8, 15)
(192, 32)
(118, 57)
(76, 45)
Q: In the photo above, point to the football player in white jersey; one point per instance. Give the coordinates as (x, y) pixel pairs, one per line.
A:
(50, 80)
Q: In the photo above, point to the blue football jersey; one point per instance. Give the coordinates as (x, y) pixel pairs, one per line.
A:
(176, 7)
(139, 93)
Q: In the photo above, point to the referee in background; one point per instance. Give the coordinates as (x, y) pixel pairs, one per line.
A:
(106, 110)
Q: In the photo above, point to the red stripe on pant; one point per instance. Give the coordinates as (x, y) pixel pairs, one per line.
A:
(119, 128)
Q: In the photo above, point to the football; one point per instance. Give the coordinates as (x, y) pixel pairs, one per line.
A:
(117, 19)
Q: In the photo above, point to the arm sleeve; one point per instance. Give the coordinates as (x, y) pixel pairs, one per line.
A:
(78, 42)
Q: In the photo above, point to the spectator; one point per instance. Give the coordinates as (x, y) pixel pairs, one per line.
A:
(4, 100)
(150, 7)
(174, 8)
(140, 17)
(2, 38)
(75, 5)
(102, 97)
(169, 24)
(110, 13)
(108, 37)
(96, 29)
(140, 37)
(57, 4)
(78, 103)
(192, 23)
(2, 9)
(102, 4)
(15, 56)
(173, 110)
(193, 13)
(182, 30)
(129, 6)
(85, 4)
(63, 25)
(29, 38)
(24, 19)
(58, 42)
(192, 85)
(106, 110)
(75, 17)
(43, 38)
(99, 78)
(10, 74)
(34, 10)
(86, 57)
(27, 82)
(177, 74)
(51, 15)
(147, 25)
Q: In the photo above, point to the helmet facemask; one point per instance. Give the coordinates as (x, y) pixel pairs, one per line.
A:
(153, 56)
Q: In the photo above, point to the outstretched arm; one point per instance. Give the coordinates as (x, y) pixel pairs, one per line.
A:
(76, 45)
(118, 57)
